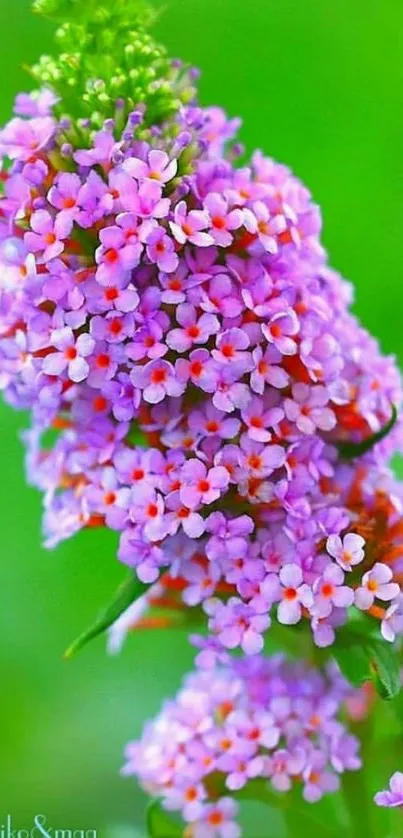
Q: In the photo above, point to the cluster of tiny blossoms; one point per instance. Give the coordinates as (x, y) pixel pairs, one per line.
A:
(246, 719)
(154, 291)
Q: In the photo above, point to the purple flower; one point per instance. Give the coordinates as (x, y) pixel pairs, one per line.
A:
(211, 422)
(194, 330)
(267, 228)
(221, 296)
(199, 369)
(63, 195)
(393, 796)
(308, 409)
(283, 766)
(201, 486)
(161, 250)
(180, 515)
(115, 257)
(22, 138)
(222, 220)
(329, 591)
(376, 584)
(258, 458)
(238, 624)
(347, 552)
(113, 327)
(230, 392)
(158, 167)
(157, 379)
(292, 592)
(280, 331)
(71, 355)
(267, 370)
(37, 103)
(317, 779)
(48, 235)
(218, 820)
(240, 769)
(187, 226)
(231, 345)
(103, 144)
(147, 508)
(258, 420)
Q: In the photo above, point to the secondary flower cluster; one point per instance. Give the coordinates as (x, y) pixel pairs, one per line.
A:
(245, 719)
(153, 292)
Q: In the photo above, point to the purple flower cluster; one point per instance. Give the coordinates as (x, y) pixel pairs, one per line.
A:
(153, 292)
(245, 719)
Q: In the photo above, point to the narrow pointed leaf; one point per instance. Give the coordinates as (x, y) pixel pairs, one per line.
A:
(350, 450)
(127, 592)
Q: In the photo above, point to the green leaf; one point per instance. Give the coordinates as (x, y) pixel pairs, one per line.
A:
(362, 658)
(351, 450)
(127, 592)
(161, 824)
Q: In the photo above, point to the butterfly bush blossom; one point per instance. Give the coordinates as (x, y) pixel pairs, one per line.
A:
(244, 720)
(198, 384)
(156, 292)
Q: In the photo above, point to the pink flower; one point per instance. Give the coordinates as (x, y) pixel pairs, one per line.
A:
(188, 797)
(223, 220)
(217, 820)
(48, 234)
(290, 589)
(283, 766)
(318, 779)
(187, 226)
(157, 379)
(347, 552)
(200, 486)
(376, 584)
(221, 297)
(260, 459)
(329, 591)
(239, 769)
(267, 370)
(194, 330)
(115, 256)
(267, 228)
(180, 515)
(211, 422)
(238, 624)
(258, 420)
(231, 346)
(199, 368)
(104, 362)
(22, 138)
(64, 195)
(308, 408)
(71, 355)
(158, 167)
(161, 250)
(280, 331)
(147, 509)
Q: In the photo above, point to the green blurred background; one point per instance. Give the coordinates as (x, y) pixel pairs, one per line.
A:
(319, 85)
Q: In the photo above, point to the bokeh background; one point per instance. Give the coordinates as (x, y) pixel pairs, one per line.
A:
(319, 85)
